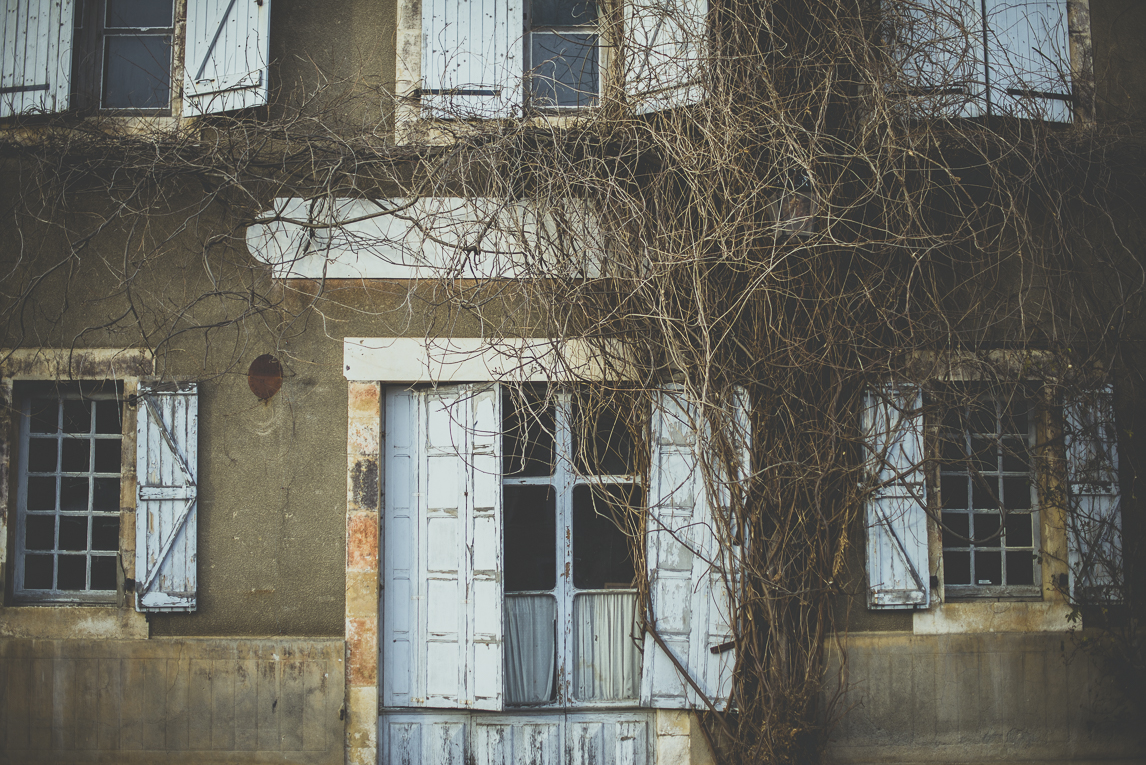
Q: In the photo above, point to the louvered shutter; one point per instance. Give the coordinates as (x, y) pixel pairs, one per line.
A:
(167, 437)
(690, 571)
(665, 50)
(225, 63)
(938, 47)
(35, 56)
(442, 599)
(1028, 59)
(896, 515)
(1094, 519)
(471, 58)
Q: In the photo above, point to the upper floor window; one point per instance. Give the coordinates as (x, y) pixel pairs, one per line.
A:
(123, 54)
(563, 53)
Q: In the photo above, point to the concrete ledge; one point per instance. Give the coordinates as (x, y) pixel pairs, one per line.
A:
(72, 623)
(955, 618)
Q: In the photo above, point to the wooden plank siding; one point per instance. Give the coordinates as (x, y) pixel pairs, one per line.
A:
(171, 701)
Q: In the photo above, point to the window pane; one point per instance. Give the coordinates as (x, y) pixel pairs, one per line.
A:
(77, 416)
(107, 455)
(987, 530)
(75, 456)
(602, 556)
(1016, 458)
(527, 443)
(606, 660)
(106, 495)
(72, 574)
(139, 13)
(108, 415)
(1016, 493)
(564, 70)
(44, 416)
(42, 455)
(137, 72)
(105, 533)
(957, 567)
(985, 493)
(563, 13)
(601, 442)
(530, 538)
(103, 572)
(988, 567)
(531, 649)
(954, 490)
(37, 572)
(1020, 567)
(41, 493)
(73, 533)
(39, 532)
(1019, 531)
(956, 530)
(73, 493)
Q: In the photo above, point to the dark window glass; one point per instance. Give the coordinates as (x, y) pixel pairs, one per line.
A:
(563, 13)
(108, 414)
(103, 572)
(105, 533)
(42, 455)
(957, 567)
(106, 494)
(1016, 458)
(987, 532)
(41, 493)
(76, 455)
(956, 530)
(952, 450)
(601, 551)
(564, 70)
(528, 436)
(601, 442)
(139, 13)
(45, 416)
(73, 494)
(37, 572)
(954, 490)
(107, 455)
(77, 416)
(530, 529)
(137, 72)
(1016, 493)
(1019, 531)
(72, 573)
(988, 567)
(73, 533)
(1020, 567)
(985, 493)
(39, 532)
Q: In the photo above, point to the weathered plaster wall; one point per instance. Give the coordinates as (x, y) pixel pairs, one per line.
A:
(1117, 29)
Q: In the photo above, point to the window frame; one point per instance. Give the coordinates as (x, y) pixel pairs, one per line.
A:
(563, 480)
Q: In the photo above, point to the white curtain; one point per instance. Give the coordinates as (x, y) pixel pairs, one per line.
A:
(530, 635)
(606, 661)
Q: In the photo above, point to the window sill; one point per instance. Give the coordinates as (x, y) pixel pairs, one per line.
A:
(994, 616)
(72, 622)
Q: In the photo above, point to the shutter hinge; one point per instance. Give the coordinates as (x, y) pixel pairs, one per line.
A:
(723, 647)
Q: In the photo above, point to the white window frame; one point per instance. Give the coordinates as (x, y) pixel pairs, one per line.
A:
(563, 481)
(600, 51)
(90, 51)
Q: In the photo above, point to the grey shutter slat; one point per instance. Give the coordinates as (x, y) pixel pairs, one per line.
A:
(35, 56)
(225, 62)
(167, 436)
(471, 58)
(1028, 59)
(896, 515)
(665, 50)
(443, 602)
(690, 571)
(1094, 518)
(938, 49)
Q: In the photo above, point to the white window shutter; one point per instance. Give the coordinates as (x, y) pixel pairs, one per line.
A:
(167, 438)
(938, 49)
(690, 571)
(896, 514)
(35, 56)
(225, 63)
(665, 51)
(1094, 519)
(471, 58)
(442, 599)
(1028, 59)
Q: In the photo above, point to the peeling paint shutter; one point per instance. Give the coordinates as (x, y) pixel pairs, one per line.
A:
(471, 57)
(665, 51)
(225, 64)
(35, 56)
(442, 600)
(1028, 59)
(690, 572)
(1094, 521)
(167, 438)
(939, 49)
(897, 557)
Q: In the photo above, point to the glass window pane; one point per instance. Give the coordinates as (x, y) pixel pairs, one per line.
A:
(38, 572)
(531, 649)
(105, 498)
(530, 538)
(952, 450)
(957, 567)
(1016, 493)
(45, 415)
(956, 530)
(1016, 458)
(107, 455)
(564, 70)
(987, 530)
(1015, 416)
(1019, 531)
(105, 532)
(108, 414)
(73, 493)
(103, 572)
(1020, 567)
(73, 572)
(601, 442)
(602, 555)
(42, 493)
(563, 13)
(528, 436)
(985, 455)
(985, 493)
(39, 532)
(137, 72)
(42, 455)
(139, 13)
(982, 417)
(76, 455)
(73, 532)
(988, 567)
(77, 416)
(606, 659)
(953, 489)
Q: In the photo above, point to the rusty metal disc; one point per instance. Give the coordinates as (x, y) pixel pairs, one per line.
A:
(265, 376)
